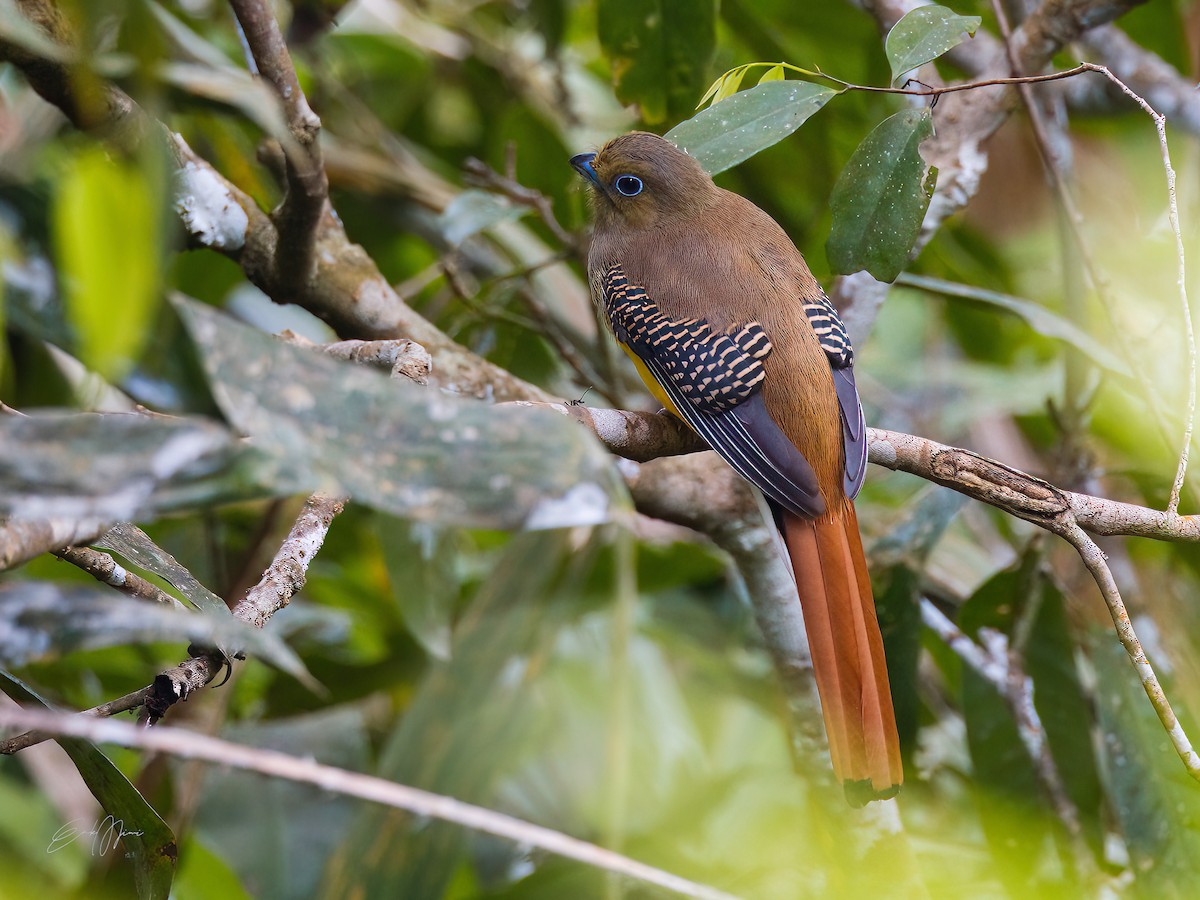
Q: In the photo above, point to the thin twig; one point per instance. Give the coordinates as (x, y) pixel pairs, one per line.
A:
(1074, 218)
(1093, 558)
(190, 745)
(482, 175)
(1160, 124)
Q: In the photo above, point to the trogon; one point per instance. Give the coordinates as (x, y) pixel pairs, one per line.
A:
(732, 333)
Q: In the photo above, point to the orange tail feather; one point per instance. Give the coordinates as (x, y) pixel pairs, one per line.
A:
(847, 652)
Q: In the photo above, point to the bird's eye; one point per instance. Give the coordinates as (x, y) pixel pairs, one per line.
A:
(628, 185)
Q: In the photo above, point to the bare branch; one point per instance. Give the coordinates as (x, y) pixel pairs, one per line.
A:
(1160, 124)
(104, 568)
(1054, 166)
(190, 745)
(283, 578)
(280, 582)
(402, 358)
(298, 217)
(23, 539)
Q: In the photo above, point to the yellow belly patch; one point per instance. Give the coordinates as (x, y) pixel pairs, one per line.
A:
(651, 382)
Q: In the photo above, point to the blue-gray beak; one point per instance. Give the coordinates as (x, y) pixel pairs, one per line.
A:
(582, 163)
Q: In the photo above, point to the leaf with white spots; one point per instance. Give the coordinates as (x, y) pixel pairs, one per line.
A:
(880, 198)
(740, 126)
(412, 451)
(924, 34)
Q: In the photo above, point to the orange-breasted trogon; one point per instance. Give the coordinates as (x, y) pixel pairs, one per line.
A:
(733, 334)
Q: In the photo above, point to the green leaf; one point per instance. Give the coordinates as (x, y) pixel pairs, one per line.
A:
(659, 51)
(724, 135)
(124, 467)
(1154, 800)
(106, 232)
(730, 84)
(1036, 316)
(775, 73)
(146, 838)
(1065, 710)
(280, 842)
(474, 718)
(880, 198)
(1012, 810)
(135, 545)
(474, 211)
(898, 561)
(39, 619)
(421, 561)
(395, 446)
(924, 34)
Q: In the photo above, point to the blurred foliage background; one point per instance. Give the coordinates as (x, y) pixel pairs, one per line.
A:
(614, 688)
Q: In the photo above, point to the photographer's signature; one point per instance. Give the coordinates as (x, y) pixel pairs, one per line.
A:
(104, 834)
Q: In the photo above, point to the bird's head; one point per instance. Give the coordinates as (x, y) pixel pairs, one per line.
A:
(640, 180)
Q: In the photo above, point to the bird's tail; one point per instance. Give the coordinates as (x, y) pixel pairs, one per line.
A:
(847, 652)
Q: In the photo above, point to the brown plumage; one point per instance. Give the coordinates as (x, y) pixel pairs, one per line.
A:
(731, 331)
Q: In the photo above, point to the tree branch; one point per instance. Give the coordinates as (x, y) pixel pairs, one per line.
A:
(280, 582)
(297, 218)
(273, 763)
(104, 568)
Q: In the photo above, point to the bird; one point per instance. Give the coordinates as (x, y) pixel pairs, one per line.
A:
(732, 333)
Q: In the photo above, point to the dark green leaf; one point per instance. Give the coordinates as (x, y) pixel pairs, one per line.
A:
(1064, 708)
(924, 34)
(123, 467)
(881, 197)
(147, 839)
(659, 51)
(1020, 818)
(473, 718)
(398, 447)
(135, 545)
(280, 843)
(897, 561)
(1154, 799)
(38, 619)
(735, 129)
(1009, 796)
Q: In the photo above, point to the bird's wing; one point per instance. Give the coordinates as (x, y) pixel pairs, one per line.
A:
(712, 380)
(831, 332)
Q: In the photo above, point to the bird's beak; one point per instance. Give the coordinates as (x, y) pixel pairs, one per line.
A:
(582, 163)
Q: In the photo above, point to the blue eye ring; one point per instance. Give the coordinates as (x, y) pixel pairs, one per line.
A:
(628, 185)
